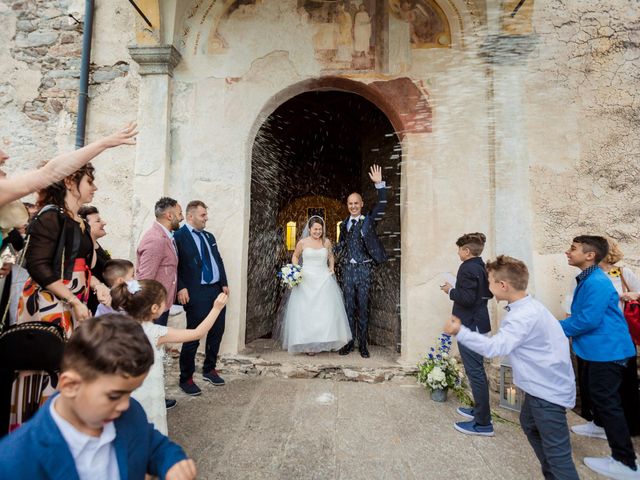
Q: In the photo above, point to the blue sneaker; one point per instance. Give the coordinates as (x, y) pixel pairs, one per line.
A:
(213, 378)
(466, 412)
(472, 428)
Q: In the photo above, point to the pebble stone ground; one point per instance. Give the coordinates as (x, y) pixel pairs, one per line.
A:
(260, 427)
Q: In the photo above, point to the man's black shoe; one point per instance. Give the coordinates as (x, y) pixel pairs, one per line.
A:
(169, 403)
(347, 349)
(364, 353)
(190, 388)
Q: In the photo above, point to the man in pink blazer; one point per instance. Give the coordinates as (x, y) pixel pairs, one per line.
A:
(157, 255)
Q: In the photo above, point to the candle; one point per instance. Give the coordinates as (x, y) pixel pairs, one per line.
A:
(511, 395)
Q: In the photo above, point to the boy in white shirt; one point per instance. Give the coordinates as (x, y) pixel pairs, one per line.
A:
(539, 355)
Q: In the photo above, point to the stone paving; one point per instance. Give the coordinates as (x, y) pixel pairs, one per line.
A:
(263, 427)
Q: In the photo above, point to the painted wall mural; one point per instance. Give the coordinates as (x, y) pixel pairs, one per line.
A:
(344, 32)
(426, 25)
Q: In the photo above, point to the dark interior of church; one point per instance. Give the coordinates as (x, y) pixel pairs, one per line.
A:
(308, 156)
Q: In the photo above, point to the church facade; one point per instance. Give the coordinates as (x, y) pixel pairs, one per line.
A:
(513, 118)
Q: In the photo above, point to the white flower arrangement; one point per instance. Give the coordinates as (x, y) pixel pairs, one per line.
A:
(361, 218)
(290, 275)
(439, 370)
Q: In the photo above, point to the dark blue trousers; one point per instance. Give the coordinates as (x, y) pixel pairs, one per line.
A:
(545, 425)
(474, 368)
(356, 283)
(199, 306)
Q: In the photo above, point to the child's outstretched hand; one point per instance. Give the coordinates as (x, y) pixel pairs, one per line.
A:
(452, 326)
(221, 301)
(184, 470)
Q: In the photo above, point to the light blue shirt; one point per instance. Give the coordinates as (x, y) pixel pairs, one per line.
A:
(95, 457)
(537, 348)
(214, 264)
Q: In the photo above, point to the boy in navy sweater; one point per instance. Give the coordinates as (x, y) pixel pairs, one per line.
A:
(470, 297)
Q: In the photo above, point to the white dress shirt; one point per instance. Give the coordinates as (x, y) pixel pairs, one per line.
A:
(95, 457)
(537, 347)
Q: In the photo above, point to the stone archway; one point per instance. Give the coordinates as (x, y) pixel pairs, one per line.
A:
(320, 143)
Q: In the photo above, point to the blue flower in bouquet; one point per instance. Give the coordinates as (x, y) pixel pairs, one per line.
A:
(290, 275)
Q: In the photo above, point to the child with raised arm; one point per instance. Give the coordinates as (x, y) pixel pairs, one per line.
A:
(92, 429)
(541, 362)
(144, 300)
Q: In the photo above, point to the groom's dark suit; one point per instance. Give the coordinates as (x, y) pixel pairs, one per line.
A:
(358, 249)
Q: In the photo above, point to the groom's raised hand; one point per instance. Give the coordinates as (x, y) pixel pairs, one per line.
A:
(375, 174)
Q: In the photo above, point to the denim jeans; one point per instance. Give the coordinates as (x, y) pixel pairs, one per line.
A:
(474, 367)
(545, 425)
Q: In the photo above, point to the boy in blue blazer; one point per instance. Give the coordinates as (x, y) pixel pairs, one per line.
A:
(92, 429)
(601, 338)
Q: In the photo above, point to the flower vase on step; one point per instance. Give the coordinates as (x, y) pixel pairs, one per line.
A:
(439, 395)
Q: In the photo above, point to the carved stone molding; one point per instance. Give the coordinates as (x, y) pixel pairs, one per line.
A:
(155, 60)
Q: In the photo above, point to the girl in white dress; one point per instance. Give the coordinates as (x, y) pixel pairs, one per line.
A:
(144, 301)
(315, 319)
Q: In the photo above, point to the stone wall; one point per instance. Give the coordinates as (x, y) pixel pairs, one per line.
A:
(40, 54)
(582, 124)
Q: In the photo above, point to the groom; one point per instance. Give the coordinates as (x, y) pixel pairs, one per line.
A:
(357, 251)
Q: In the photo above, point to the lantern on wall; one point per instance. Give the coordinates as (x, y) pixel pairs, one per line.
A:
(511, 397)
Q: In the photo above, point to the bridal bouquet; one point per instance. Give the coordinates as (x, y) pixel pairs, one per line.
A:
(290, 275)
(438, 370)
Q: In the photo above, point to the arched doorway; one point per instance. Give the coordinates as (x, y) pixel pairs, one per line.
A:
(320, 145)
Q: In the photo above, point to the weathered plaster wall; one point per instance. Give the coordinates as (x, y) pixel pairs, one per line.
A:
(582, 122)
(40, 50)
(220, 100)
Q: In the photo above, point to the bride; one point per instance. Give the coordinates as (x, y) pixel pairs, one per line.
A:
(315, 319)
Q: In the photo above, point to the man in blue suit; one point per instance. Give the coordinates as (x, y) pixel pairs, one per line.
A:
(358, 249)
(600, 336)
(201, 278)
(92, 429)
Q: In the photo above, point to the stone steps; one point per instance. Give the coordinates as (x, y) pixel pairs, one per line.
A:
(295, 368)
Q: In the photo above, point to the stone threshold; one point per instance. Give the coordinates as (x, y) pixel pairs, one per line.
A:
(295, 368)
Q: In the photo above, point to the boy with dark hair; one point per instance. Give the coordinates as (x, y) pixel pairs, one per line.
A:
(601, 338)
(92, 429)
(470, 296)
(539, 354)
(116, 271)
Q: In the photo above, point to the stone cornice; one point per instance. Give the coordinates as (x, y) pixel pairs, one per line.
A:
(508, 49)
(155, 60)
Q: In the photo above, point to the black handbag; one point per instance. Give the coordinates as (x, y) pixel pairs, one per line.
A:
(33, 346)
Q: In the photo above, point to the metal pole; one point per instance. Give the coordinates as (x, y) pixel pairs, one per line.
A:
(83, 96)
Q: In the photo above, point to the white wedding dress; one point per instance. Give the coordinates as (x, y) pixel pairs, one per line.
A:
(315, 319)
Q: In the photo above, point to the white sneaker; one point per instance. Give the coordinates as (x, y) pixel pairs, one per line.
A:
(589, 430)
(611, 468)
